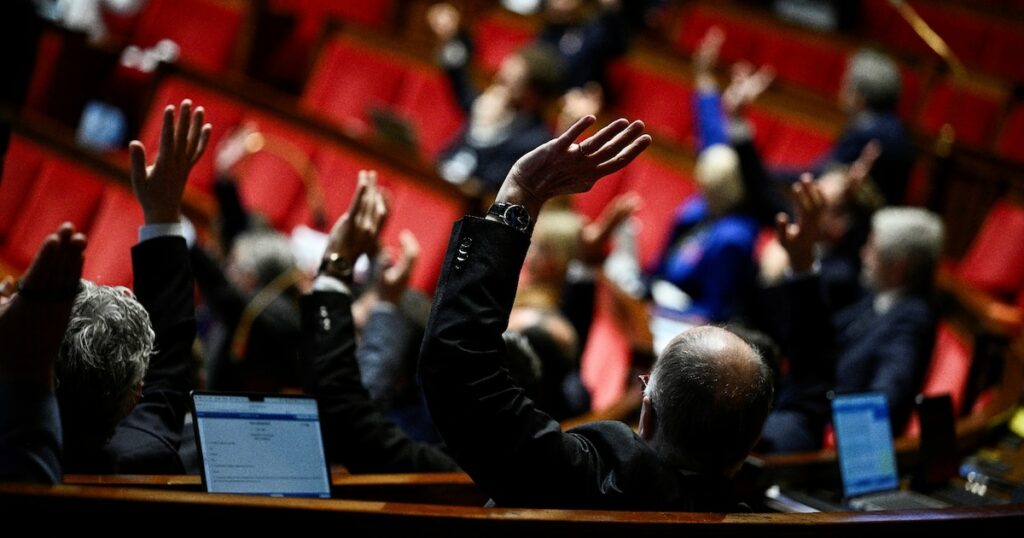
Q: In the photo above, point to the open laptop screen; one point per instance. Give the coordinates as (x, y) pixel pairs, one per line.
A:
(867, 461)
(261, 445)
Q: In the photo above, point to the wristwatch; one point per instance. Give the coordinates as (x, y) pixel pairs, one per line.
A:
(335, 265)
(513, 215)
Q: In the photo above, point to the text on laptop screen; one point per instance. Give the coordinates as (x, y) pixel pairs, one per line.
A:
(867, 462)
(261, 446)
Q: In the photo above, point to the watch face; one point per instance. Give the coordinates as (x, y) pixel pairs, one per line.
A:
(517, 216)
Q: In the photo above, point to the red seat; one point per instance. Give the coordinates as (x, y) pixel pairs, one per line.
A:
(268, 181)
(1003, 43)
(741, 37)
(965, 32)
(429, 216)
(995, 260)
(663, 188)
(114, 231)
(496, 36)
(205, 30)
(349, 80)
(794, 146)
(1010, 143)
(876, 19)
(664, 102)
(21, 166)
(591, 203)
(337, 174)
(948, 371)
(221, 112)
(972, 114)
(62, 192)
(606, 357)
(426, 101)
(815, 65)
(910, 95)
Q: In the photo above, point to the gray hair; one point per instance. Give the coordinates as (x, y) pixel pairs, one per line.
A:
(720, 179)
(911, 234)
(711, 393)
(876, 78)
(103, 358)
(264, 254)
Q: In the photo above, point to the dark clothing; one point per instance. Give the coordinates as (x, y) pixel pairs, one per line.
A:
(30, 435)
(147, 440)
(356, 434)
(587, 48)
(516, 453)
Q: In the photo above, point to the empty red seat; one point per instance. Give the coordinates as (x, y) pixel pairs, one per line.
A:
(114, 231)
(205, 30)
(816, 65)
(62, 192)
(270, 181)
(663, 188)
(948, 371)
(663, 101)
(606, 357)
(427, 102)
(351, 79)
(1010, 142)
(21, 165)
(497, 35)
(972, 112)
(995, 260)
(221, 112)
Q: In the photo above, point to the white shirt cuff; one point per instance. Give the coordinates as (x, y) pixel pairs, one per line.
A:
(180, 229)
(330, 284)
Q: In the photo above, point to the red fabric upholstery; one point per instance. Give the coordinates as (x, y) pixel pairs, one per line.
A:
(114, 231)
(656, 215)
(497, 36)
(606, 357)
(995, 261)
(1003, 44)
(972, 114)
(1010, 143)
(21, 165)
(349, 80)
(591, 203)
(814, 65)
(337, 172)
(947, 372)
(205, 30)
(664, 102)
(62, 192)
(427, 102)
(741, 37)
(372, 14)
(795, 146)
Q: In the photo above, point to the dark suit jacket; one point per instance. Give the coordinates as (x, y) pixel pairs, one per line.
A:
(516, 453)
(147, 440)
(356, 433)
(30, 435)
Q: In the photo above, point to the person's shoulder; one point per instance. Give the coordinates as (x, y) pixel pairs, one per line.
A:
(737, 229)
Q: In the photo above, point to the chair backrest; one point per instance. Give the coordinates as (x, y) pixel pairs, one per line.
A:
(205, 30)
(108, 259)
(21, 165)
(657, 214)
(995, 260)
(663, 101)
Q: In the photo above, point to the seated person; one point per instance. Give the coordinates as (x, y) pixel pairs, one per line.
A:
(122, 373)
(694, 433)
(504, 121)
(587, 34)
(33, 317)
(709, 253)
(880, 343)
(356, 433)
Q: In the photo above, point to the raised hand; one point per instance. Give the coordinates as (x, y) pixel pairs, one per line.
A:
(159, 187)
(34, 314)
(706, 55)
(746, 86)
(356, 232)
(594, 236)
(860, 169)
(561, 166)
(798, 238)
(395, 279)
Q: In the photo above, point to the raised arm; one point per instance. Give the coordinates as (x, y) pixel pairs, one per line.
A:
(33, 317)
(357, 434)
(515, 452)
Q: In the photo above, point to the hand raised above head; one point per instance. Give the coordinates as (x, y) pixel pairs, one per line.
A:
(159, 187)
(798, 238)
(357, 231)
(595, 235)
(561, 166)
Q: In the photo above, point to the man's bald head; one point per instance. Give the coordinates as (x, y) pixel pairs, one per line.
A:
(711, 393)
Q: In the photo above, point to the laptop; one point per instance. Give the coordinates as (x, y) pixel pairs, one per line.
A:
(867, 460)
(260, 445)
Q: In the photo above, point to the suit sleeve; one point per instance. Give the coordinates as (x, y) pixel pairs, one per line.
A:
(165, 287)
(386, 339)
(357, 434)
(30, 435)
(517, 454)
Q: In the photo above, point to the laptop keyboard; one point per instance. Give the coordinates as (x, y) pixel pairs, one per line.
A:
(895, 500)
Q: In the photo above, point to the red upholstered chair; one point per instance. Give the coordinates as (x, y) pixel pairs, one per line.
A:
(497, 35)
(877, 17)
(62, 192)
(1010, 142)
(663, 101)
(337, 172)
(204, 29)
(1003, 43)
(114, 231)
(663, 188)
(223, 113)
(971, 112)
(429, 216)
(948, 371)
(268, 181)
(22, 164)
(910, 97)
(742, 38)
(426, 101)
(814, 65)
(995, 260)
(963, 30)
(606, 357)
(349, 80)
(795, 146)
(591, 203)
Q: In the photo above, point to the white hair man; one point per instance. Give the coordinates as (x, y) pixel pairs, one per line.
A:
(122, 374)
